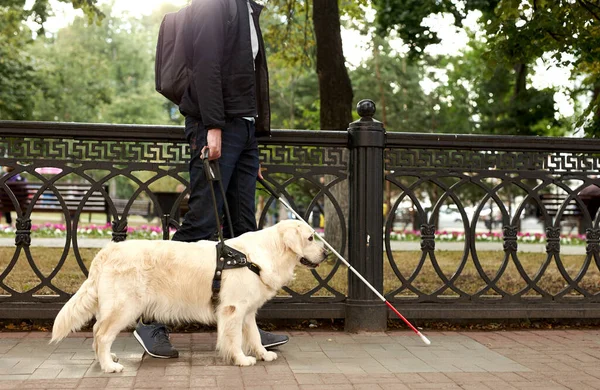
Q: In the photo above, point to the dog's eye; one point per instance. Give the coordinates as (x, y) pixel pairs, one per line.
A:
(311, 238)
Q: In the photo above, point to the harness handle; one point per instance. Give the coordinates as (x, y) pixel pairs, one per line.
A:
(213, 173)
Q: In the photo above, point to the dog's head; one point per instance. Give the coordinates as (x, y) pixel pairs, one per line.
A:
(299, 239)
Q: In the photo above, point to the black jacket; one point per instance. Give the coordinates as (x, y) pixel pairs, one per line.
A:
(225, 84)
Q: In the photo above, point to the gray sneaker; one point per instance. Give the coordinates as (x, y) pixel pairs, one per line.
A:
(270, 340)
(154, 337)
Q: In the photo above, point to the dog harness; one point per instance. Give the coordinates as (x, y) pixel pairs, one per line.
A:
(229, 258)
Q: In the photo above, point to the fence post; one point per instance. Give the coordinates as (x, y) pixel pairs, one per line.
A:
(364, 311)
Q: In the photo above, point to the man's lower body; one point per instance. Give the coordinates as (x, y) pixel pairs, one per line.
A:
(239, 166)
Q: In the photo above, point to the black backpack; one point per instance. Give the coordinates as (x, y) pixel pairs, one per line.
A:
(172, 70)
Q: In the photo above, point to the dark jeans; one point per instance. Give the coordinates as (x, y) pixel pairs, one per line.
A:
(239, 167)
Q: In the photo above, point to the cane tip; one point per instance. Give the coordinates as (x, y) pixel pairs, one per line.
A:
(425, 339)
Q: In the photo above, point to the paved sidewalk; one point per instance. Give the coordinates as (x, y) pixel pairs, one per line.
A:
(319, 360)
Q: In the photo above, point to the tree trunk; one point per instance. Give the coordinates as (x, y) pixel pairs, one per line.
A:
(521, 84)
(595, 97)
(519, 109)
(336, 95)
(334, 83)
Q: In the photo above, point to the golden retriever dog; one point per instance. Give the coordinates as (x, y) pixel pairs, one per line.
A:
(172, 282)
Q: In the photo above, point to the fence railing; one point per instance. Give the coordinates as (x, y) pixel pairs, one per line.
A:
(448, 226)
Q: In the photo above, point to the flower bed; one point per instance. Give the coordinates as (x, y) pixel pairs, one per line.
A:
(55, 230)
(529, 238)
(147, 232)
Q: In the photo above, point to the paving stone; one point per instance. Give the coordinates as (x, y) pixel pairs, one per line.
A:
(395, 386)
(45, 373)
(367, 386)
(97, 383)
(73, 372)
(6, 380)
(26, 366)
(285, 387)
(50, 384)
(308, 379)
(364, 378)
(178, 370)
(175, 382)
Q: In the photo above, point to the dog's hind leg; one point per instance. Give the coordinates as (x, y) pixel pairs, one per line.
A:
(109, 326)
(95, 344)
(252, 343)
(230, 320)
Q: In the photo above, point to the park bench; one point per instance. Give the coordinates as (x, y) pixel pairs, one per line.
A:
(571, 215)
(141, 207)
(145, 208)
(72, 194)
(166, 201)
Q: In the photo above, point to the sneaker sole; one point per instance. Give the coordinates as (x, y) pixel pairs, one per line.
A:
(139, 339)
(272, 345)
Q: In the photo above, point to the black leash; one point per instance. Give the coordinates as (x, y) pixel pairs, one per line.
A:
(227, 257)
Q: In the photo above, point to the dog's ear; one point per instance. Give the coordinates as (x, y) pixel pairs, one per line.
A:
(291, 239)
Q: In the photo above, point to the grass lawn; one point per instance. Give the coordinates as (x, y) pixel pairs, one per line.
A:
(22, 278)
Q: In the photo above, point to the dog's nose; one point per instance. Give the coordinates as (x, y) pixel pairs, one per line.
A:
(326, 253)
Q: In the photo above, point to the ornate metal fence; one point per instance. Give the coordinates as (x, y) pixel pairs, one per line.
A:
(475, 226)
(503, 194)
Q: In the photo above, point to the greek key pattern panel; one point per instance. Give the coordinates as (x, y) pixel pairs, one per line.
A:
(307, 156)
(81, 151)
(491, 159)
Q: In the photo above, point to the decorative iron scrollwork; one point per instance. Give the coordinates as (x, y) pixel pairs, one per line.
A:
(427, 237)
(510, 238)
(553, 237)
(23, 235)
(593, 240)
(119, 230)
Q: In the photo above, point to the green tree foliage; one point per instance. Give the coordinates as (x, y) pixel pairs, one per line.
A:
(406, 16)
(475, 99)
(96, 72)
(394, 84)
(294, 102)
(568, 29)
(19, 79)
(290, 51)
(479, 96)
(75, 74)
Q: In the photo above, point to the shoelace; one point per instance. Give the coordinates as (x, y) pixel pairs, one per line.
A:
(161, 335)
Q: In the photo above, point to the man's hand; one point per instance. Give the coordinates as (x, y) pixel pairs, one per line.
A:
(260, 176)
(213, 141)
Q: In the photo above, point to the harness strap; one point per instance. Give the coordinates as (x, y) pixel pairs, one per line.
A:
(229, 258)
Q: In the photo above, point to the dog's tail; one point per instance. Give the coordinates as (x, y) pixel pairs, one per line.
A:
(80, 308)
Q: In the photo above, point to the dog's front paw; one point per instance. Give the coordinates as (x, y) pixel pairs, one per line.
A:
(269, 356)
(245, 361)
(113, 367)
